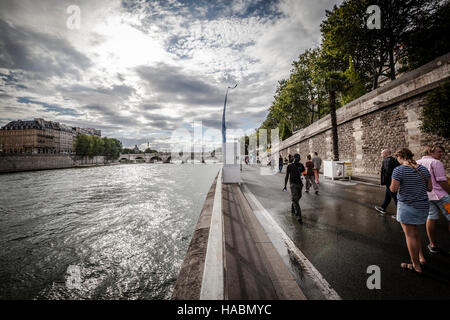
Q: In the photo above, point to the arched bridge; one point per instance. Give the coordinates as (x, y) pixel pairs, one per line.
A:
(167, 157)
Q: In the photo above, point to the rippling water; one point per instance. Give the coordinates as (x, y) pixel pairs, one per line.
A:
(122, 231)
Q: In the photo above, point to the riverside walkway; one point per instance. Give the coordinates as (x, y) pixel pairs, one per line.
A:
(252, 268)
(268, 255)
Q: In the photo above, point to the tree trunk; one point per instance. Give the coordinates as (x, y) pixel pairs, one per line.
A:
(375, 81)
(376, 75)
(391, 61)
(334, 125)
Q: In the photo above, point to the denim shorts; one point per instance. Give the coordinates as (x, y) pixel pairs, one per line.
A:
(410, 215)
(438, 205)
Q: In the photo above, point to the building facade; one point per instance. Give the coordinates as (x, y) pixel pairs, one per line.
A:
(40, 136)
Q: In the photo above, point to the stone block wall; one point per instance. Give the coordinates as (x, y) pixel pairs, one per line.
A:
(15, 163)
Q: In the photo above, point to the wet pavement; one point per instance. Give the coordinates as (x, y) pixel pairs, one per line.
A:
(343, 235)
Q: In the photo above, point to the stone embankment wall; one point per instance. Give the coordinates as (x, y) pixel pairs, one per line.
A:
(386, 118)
(17, 163)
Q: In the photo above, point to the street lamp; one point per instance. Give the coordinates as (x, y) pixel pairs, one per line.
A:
(224, 129)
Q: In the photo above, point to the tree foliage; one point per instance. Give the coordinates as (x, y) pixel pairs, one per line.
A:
(429, 37)
(91, 146)
(374, 52)
(436, 113)
(148, 150)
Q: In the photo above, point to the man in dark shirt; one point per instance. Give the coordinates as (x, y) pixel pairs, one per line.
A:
(388, 166)
(280, 163)
(293, 174)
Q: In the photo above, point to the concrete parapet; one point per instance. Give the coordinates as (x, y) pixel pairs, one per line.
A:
(189, 281)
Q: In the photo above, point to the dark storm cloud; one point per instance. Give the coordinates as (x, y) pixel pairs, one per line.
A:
(43, 54)
(171, 84)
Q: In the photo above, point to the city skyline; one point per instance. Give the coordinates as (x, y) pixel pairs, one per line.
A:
(140, 70)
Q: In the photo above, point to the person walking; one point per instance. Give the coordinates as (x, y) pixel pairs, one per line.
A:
(280, 163)
(309, 177)
(387, 167)
(317, 161)
(293, 174)
(411, 181)
(439, 197)
(290, 158)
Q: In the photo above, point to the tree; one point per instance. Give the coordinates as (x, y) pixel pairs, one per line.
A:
(82, 145)
(98, 146)
(436, 113)
(429, 37)
(127, 151)
(336, 82)
(113, 152)
(345, 37)
(91, 146)
(285, 131)
(375, 52)
(298, 100)
(148, 150)
(356, 88)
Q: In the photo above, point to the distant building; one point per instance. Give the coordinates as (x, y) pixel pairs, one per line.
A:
(136, 149)
(66, 139)
(40, 136)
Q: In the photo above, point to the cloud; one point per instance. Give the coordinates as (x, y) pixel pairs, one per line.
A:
(172, 84)
(40, 53)
(141, 69)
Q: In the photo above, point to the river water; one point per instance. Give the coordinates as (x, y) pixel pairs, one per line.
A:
(113, 232)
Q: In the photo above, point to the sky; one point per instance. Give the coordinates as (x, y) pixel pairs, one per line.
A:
(141, 71)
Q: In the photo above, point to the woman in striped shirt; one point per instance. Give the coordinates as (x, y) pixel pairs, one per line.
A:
(411, 181)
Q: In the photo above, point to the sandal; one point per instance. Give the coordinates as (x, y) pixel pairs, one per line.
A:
(410, 267)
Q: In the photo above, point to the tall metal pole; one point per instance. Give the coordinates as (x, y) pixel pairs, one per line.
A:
(224, 129)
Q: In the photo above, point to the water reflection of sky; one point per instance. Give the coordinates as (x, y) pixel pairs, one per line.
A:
(126, 228)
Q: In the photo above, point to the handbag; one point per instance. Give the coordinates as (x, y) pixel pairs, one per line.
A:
(447, 207)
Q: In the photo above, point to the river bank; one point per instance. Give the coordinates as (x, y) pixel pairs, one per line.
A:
(37, 162)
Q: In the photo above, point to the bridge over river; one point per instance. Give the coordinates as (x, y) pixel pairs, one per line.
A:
(169, 157)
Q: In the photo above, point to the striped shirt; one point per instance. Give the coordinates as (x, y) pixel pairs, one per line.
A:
(413, 188)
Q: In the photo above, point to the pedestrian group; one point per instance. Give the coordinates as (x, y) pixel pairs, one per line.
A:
(419, 190)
